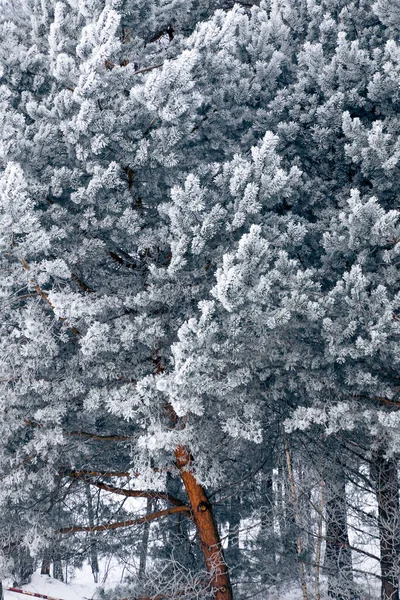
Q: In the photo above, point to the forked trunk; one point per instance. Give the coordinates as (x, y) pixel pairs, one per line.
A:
(206, 527)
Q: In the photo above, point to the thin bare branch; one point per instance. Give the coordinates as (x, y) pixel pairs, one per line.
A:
(133, 493)
(108, 526)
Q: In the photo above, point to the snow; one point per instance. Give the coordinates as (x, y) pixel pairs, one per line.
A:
(43, 584)
(80, 584)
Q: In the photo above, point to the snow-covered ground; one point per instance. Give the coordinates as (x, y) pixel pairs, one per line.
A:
(80, 589)
(80, 585)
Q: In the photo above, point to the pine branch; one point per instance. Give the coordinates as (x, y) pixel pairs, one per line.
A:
(82, 474)
(82, 284)
(95, 436)
(45, 297)
(156, 515)
(134, 493)
(147, 69)
(84, 434)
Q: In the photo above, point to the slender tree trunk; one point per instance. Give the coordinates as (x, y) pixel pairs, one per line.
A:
(338, 559)
(145, 542)
(295, 503)
(307, 518)
(45, 570)
(387, 494)
(210, 541)
(267, 534)
(23, 565)
(57, 569)
(280, 499)
(233, 551)
(94, 563)
(320, 519)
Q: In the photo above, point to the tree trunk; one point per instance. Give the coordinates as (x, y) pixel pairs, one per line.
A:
(57, 569)
(94, 563)
(320, 521)
(267, 534)
(145, 542)
(387, 494)
(298, 520)
(233, 552)
(23, 565)
(210, 541)
(45, 570)
(338, 559)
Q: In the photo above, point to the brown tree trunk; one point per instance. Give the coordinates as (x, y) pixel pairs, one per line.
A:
(387, 494)
(206, 527)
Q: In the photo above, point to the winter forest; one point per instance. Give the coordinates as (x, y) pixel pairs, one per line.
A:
(200, 297)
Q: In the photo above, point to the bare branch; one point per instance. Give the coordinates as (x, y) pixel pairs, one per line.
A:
(156, 515)
(134, 493)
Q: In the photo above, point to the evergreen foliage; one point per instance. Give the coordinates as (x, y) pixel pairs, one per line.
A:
(199, 247)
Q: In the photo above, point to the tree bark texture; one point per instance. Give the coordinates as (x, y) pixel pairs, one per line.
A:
(206, 527)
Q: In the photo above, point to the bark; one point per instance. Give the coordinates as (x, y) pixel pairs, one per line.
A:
(206, 527)
(94, 563)
(338, 560)
(387, 494)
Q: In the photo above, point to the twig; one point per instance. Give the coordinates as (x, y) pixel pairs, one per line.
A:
(146, 69)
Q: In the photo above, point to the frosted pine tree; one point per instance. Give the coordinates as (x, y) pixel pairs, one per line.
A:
(199, 236)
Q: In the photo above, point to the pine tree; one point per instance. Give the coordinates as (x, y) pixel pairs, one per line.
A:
(199, 240)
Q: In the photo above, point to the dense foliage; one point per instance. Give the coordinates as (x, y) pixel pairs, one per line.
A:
(200, 237)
